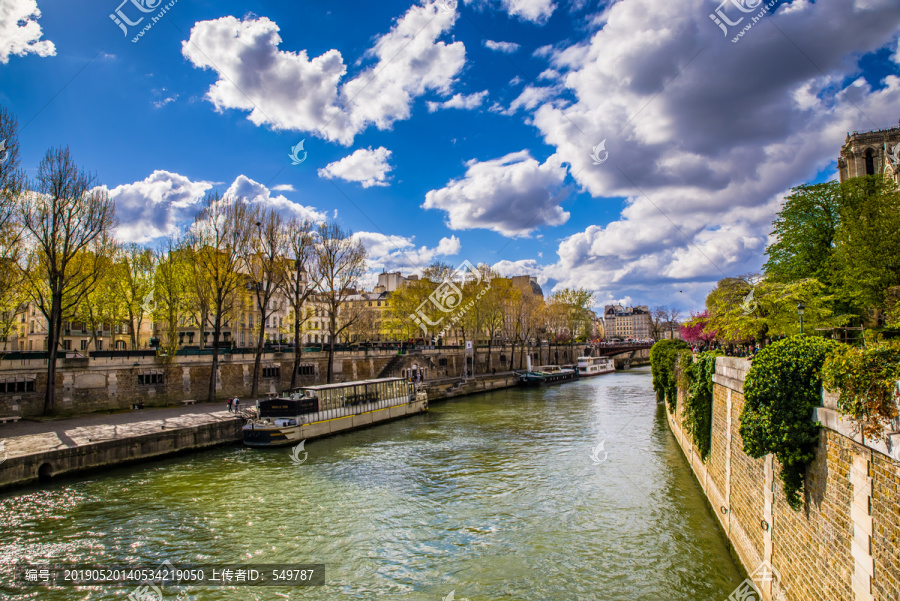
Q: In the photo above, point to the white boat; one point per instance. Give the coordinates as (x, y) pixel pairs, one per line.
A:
(594, 366)
(280, 421)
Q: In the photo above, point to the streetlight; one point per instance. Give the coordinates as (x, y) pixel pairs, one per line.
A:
(801, 308)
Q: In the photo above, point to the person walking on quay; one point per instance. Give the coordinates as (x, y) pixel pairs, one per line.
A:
(237, 404)
(228, 404)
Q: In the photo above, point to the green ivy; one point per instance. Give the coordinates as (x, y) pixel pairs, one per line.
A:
(698, 401)
(663, 357)
(780, 391)
(866, 379)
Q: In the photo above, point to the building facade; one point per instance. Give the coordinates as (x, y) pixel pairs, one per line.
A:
(627, 322)
(871, 153)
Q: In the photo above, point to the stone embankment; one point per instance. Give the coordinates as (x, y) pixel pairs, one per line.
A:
(844, 544)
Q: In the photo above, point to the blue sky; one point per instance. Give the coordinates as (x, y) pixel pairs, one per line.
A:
(452, 131)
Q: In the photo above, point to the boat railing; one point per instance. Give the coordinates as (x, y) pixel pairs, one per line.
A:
(358, 407)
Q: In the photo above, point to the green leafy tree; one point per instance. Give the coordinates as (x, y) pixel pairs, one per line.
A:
(780, 391)
(805, 232)
(867, 244)
(740, 312)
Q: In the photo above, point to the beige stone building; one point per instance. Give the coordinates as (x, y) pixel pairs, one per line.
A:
(870, 153)
(627, 322)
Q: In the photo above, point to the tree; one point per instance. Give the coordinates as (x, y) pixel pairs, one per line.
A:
(171, 289)
(695, 330)
(134, 271)
(805, 231)
(220, 239)
(12, 183)
(867, 243)
(69, 220)
(575, 315)
(658, 318)
(340, 262)
(267, 271)
(296, 285)
(771, 311)
(102, 304)
(495, 305)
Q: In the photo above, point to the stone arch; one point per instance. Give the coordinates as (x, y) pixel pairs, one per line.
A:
(45, 471)
(870, 161)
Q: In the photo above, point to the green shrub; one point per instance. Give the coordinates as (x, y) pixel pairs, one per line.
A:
(781, 390)
(866, 379)
(698, 400)
(662, 366)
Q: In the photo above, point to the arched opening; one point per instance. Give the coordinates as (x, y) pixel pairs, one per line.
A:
(870, 162)
(45, 472)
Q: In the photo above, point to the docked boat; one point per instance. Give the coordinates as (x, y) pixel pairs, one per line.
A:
(288, 417)
(547, 374)
(594, 366)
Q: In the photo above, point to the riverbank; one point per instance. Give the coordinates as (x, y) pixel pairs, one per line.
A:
(36, 450)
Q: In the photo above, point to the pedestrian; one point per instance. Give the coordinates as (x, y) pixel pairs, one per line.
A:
(228, 404)
(237, 404)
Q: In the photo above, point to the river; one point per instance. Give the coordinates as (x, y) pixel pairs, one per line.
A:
(502, 496)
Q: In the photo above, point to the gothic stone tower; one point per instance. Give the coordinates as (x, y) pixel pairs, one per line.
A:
(870, 153)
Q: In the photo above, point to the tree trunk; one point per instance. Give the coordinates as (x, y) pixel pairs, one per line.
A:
(333, 322)
(211, 396)
(254, 389)
(53, 324)
(297, 351)
(131, 327)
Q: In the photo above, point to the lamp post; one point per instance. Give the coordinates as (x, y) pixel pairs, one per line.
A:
(801, 308)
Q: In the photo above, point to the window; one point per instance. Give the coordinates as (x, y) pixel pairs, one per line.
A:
(20, 384)
(442, 362)
(150, 377)
(870, 162)
(306, 370)
(271, 371)
(84, 345)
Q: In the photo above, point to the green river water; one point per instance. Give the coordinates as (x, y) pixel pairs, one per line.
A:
(502, 496)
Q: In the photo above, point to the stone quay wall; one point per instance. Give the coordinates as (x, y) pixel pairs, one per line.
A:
(844, 544)
(98, 384)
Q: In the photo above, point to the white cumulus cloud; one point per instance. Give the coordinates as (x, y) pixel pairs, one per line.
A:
(287, 90)
(393, 252)
(505, 47)
(512, 195)
(20, 33)
(459, 101)
(366, 166)
(165, 202)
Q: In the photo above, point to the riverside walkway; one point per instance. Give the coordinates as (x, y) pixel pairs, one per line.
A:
(39, 436)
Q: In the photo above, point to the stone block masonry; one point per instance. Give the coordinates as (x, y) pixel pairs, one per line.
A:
(844, 544)
(105, 384)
